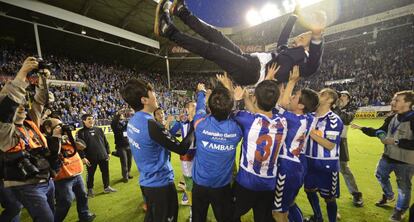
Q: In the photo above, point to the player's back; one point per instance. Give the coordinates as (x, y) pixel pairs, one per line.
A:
(262, 139)
(216, 150)
(297, 135)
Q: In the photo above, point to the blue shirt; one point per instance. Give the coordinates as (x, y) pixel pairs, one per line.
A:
(151, 158)
(216, 147)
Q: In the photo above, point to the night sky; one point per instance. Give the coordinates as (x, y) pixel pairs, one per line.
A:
(225, 13)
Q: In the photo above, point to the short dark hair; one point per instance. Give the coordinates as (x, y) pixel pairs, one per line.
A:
(309, 98)
(408, 96)
(220, 103)
(133, 91)
(267, 93)
(333, 94)
(85, 116)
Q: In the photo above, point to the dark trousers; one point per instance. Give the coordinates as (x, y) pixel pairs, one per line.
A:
(411, 219)
(104, 167)
(38, 199)
(66, 190)
(125, 157)
(221, 200)
(260, 201)
(244, 68)
(11, 206)
(162, 203)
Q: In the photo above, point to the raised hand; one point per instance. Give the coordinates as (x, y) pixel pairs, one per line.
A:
(225, 80)
(294, 74)
(239, 93)
(271, 72)
(298, 10)
(29, 64)
(318, 23)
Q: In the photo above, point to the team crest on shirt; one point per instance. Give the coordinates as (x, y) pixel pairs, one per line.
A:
(321, 124)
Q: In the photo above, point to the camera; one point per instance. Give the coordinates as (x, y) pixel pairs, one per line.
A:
(68, 128)
(42, 64)
(27, 169)
(22, 160)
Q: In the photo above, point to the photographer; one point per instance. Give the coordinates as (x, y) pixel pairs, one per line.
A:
(24, 155)
(119, 127)
(68, 181)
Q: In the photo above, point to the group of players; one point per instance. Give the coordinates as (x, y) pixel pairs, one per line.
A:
(286, 140)
(274, 163)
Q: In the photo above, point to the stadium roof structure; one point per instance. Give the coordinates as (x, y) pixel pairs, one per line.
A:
(136, 18)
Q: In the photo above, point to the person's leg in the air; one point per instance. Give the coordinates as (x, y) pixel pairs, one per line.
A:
(208, 32)
(243, 68)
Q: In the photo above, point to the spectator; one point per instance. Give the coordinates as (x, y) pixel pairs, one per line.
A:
(119, 127)
(397, 136)
(96, 153)
(347, 112)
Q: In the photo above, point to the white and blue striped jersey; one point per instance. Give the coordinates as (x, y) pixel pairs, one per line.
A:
(330, 127)
(297, 134)
(262, 140)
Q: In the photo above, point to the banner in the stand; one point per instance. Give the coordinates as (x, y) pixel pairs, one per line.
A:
(245, 48)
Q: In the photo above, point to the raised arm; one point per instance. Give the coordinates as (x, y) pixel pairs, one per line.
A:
(369, 131)
(11, 96)
(40, 99)
(293, 79)
(200, 111)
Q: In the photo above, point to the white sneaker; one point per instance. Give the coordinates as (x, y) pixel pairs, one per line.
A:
(109, 190)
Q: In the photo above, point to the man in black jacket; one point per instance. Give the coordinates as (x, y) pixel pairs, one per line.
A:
(96, 153)
(119, 127)
(245, 69)
(347, 112)
(397, 135)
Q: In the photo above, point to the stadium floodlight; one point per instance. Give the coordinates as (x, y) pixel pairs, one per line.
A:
(288, 5)
(269, 11)
(253, 17)
(83, 32)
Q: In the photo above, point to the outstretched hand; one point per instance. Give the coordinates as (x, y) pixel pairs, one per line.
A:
(355, 126)
(239, 93)
(294, 74)
(318, 23)
(271, 72)
(225, 80)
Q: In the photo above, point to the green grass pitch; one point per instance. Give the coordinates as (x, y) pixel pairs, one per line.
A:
(364, 153)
